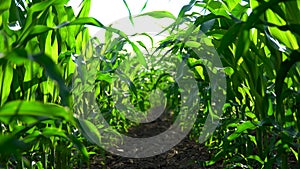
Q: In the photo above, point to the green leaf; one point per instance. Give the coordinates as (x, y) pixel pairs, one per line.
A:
(5, 5)
(229, 71)
(40, 6)
(32, 32)
(129, 12)
(241, 128)
(229, 37)
(18, 57)
(108, 36)
(285, 37)
(292, 9)
(253, 139)
(243, 44)
(52, 131)
(6, 77)
(117, 31)
(85, 10)
(150, 38)
(39, 29)
(83, 21)
(54, 73)
(16, 14)
(10, 144)
(232, 4)
(142, 45)
(105, 77)
(281, 75)
(192, 44)
(185, 9)
(139, 54)
(218, 8)
(159, 14)
(202, 19)
(35, 109)
(254, 4)
(79, 146)
(144, 6)
(257, 158)
(295, 154)
(200, 71)
(89, 131)
(206, 26)
(270, 108)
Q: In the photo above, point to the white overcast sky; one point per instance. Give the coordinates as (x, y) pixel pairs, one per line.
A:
(108, 11)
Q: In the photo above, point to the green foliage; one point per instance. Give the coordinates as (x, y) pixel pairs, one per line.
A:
(39, 38)
(258, 44)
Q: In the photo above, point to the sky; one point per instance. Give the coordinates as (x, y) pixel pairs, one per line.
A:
(109, 11)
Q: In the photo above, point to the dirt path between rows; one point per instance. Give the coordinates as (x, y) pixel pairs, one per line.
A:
(186, 155)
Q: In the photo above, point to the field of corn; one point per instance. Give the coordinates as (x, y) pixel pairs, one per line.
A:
(42, 42)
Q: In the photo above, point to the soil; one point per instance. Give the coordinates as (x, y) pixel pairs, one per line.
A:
(187, 154)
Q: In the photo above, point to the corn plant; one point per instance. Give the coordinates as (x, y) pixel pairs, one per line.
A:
(37, 125)
(258, 44)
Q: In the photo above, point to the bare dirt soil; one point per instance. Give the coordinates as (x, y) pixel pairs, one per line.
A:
(186, 155)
